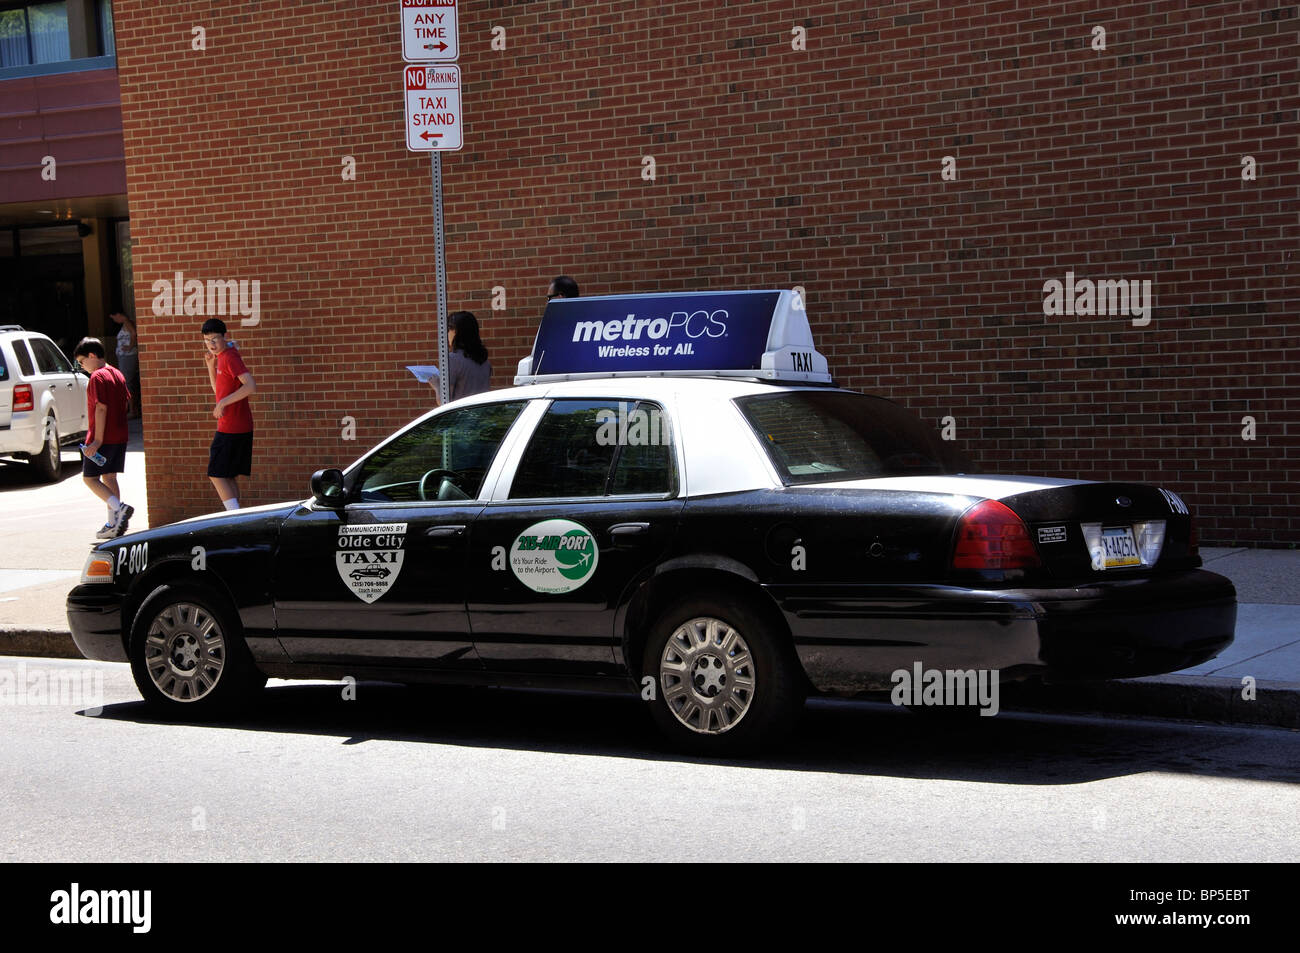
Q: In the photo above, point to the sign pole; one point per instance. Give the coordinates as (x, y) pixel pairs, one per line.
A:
(440, 270)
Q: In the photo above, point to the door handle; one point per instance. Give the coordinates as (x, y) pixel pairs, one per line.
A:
(628, 533)
(444, 532)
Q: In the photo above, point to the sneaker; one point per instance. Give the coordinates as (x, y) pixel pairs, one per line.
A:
(107, 531)
(121, 518)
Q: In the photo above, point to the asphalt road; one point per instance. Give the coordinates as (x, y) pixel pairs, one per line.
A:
(484, 774)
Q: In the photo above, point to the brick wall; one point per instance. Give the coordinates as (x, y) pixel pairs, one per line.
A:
(774, 167)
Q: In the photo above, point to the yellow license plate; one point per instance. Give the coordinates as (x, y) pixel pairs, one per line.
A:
(1119, 547)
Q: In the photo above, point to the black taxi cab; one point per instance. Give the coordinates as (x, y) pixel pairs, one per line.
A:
(674, 500)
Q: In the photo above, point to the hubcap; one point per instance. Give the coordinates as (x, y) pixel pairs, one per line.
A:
(185, 652)
(707, 675)
(52, 449)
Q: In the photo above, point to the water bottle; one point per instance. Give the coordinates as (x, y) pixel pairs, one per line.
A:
(98, 459)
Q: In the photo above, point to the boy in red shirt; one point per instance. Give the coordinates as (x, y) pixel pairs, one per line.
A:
(231, 455)
(106, 406)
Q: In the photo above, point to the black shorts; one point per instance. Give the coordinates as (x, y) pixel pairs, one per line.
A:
(231, 455)
(114, 455)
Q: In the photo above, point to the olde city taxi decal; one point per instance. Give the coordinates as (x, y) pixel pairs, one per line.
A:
(369, 557)
(554, 556)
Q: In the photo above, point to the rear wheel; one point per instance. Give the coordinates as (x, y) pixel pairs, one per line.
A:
(726, 682)
(48, 464)
(188, 656)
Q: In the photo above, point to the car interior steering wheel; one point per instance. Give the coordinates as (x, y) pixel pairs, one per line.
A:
(449, 475)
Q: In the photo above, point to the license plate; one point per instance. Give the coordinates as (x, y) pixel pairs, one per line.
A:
(1119, 547)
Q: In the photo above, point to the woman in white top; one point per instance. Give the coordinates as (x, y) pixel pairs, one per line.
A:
(128, 358)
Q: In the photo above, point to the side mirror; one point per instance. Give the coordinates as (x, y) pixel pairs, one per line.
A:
(327, 487)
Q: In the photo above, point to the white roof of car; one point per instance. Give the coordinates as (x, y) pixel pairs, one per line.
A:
(643, 388)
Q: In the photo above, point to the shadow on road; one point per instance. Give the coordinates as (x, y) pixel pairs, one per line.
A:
(19, 475)
(834, 737)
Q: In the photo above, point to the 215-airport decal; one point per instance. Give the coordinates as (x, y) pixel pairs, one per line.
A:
(554, 556)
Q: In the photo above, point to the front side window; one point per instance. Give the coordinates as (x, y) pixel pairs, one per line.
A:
(595, 448)
(444, 458)
(823, 436)
(49, 358)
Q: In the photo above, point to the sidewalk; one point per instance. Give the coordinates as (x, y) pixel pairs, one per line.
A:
(35, 579)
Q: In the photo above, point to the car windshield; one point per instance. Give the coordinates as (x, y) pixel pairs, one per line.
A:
(825, 436)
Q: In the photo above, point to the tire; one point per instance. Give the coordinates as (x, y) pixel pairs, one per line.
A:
(188, 655)
(48, 464)
(726, 682)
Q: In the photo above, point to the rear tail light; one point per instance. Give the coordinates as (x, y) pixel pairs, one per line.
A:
(991, 536)
(23, 399)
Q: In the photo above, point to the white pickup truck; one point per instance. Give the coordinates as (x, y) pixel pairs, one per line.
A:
(42, 400)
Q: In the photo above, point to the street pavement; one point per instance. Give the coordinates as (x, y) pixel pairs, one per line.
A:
(47, 530)
(458, 774)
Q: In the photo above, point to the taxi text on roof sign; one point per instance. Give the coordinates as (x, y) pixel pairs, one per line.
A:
(433, 108)
(430, 30)
(709, 333)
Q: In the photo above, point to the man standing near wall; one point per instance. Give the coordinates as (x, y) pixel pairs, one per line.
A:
(231, 455)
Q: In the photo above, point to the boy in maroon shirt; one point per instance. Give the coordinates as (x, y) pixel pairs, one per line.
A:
(106, 406)
(231, 455)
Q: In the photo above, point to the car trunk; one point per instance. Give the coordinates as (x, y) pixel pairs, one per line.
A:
(1092, 531)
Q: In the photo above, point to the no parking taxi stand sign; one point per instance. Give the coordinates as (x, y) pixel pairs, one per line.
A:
(431, 36)
(433, 108)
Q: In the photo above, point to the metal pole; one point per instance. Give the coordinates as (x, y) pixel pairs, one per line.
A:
(440, 271)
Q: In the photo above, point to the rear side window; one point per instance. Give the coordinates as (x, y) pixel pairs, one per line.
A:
(593, 448)
(49, 358)
(4, 365)
(823, 436)
(24, 357)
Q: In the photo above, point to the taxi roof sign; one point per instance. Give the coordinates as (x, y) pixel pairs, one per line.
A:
(750, 334)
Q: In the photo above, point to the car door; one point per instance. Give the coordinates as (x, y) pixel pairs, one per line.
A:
(54, 373)
(590, 506)
(381, 581)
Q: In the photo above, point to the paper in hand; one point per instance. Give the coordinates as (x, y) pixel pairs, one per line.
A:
(424, 373)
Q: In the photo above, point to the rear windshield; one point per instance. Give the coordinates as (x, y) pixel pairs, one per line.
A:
(826, 436)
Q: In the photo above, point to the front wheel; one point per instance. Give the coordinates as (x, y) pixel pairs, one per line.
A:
(187, 656)
(726, 682)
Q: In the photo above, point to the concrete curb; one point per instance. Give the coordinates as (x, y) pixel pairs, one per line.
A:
(1189, 697)
(39, 643)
